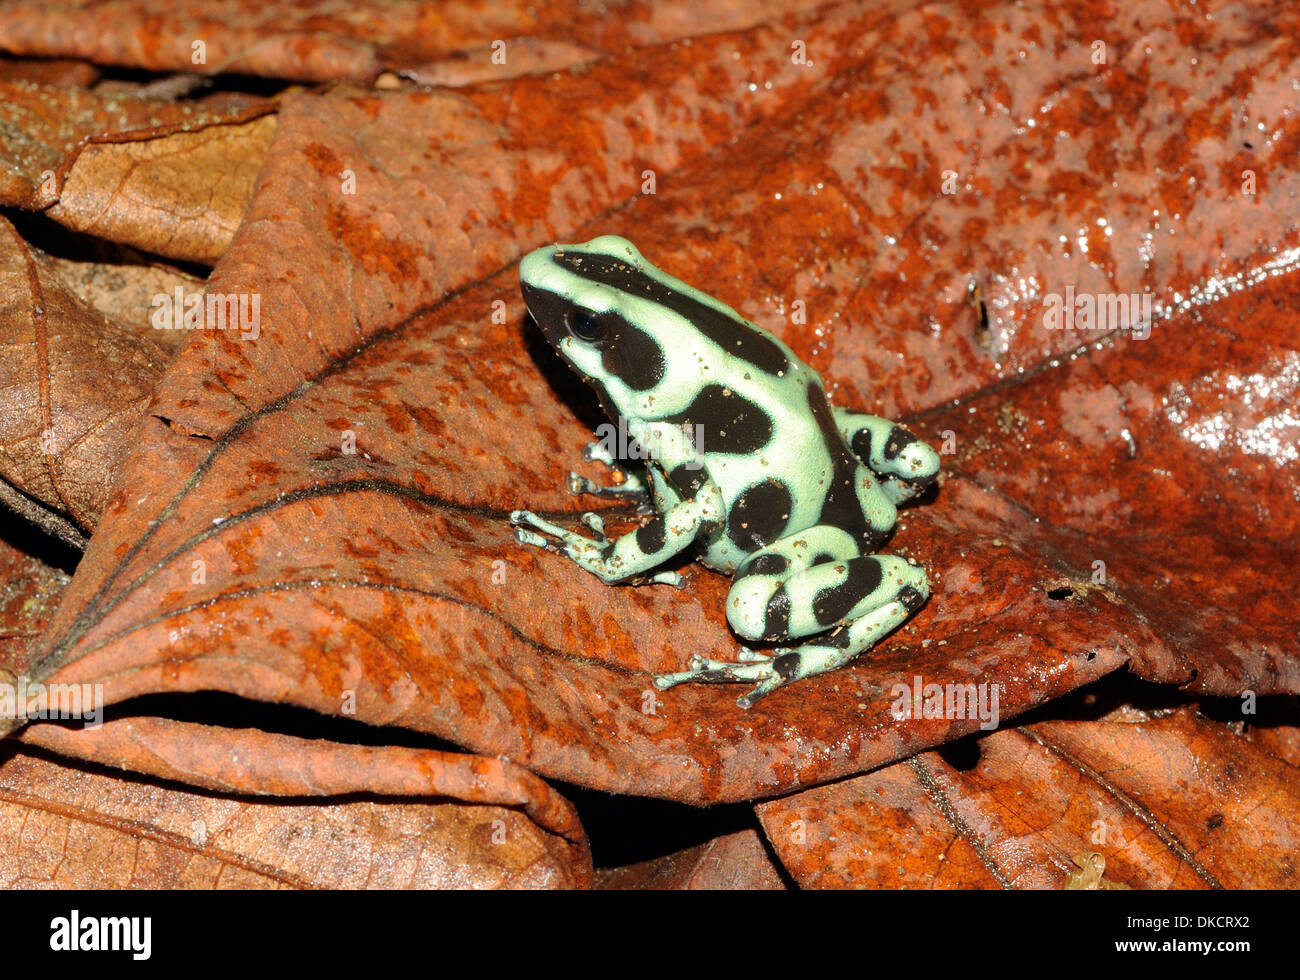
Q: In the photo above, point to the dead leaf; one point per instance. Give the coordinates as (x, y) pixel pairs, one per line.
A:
(1167, 473)
(385, 557)
(312, 43)
(317, 511)
(1172, 802)
(63, 431)
(250, 761)
(30, 590)
(64, 827)
(48, 71)
(731, 862)
(181, 195)
(46, 127)
(125, 289)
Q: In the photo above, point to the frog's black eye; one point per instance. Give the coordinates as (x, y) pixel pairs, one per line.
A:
(584, 324)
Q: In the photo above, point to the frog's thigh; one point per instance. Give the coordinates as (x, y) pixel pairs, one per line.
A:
(780, 605)
(839, 647)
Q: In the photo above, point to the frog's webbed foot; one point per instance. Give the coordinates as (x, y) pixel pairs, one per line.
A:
(750, 666)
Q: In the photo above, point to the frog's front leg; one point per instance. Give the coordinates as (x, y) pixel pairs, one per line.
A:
(904, 463)
(633, 554)
(632, 488)
(778, 595)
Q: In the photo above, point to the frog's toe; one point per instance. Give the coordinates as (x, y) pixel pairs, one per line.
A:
(769, 670)
(675, 579)
(597, 452)
(521, 517)
(699, 664)
(703, 670)
(524, 536)
(765, 687)
(597, 525)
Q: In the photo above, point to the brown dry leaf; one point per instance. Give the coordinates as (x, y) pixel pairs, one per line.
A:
(48, 71)
(45, 128)
(30, 590)
(435, 44)
(125, 289)
(65, 827)
(732, 862)
(1171, 802)
(181, 195)
(1274, 729)
(63, 431)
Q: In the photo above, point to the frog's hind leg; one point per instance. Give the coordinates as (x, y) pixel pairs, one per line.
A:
(783, 593)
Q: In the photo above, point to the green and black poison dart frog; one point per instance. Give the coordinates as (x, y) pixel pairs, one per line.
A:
(747, 461)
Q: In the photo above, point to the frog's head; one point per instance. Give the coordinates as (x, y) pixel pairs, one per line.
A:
(595, 302)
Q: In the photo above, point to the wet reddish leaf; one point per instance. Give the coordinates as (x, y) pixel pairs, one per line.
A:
(1171, 802)
(1168, 470)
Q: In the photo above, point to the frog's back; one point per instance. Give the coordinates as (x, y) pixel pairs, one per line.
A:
(761, 418)
(657, 350)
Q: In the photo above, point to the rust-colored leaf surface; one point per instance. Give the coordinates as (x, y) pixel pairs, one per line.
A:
(1167, 802)
(326, 41)
(313, 510)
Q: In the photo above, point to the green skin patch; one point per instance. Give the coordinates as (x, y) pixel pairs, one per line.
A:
(746, 463)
